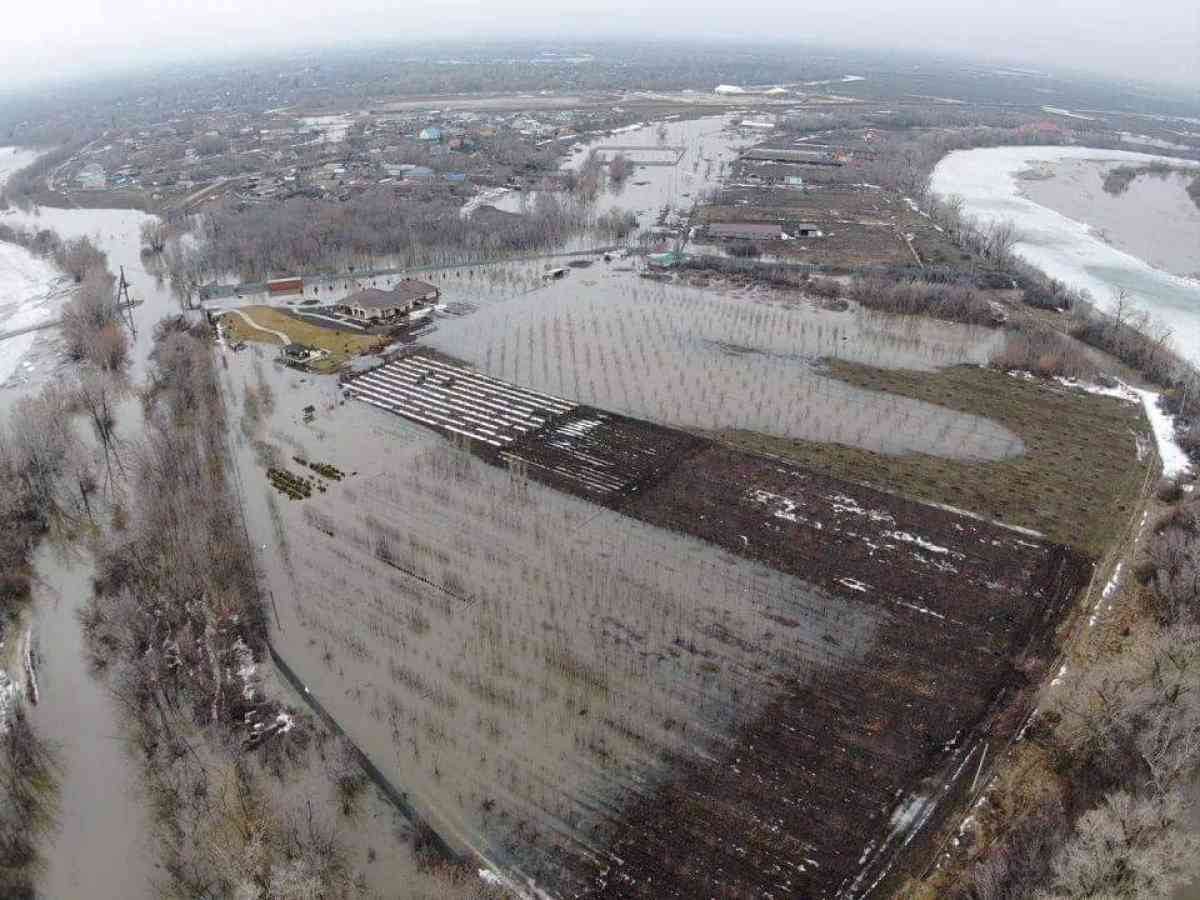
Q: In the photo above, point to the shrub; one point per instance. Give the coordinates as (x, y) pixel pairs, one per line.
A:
(1043, 352)
(952, 302)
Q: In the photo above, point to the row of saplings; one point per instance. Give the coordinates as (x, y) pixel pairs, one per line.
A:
(300, 487)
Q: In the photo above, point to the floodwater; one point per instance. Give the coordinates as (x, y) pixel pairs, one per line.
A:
(709, 146)
(31, 291)
(102, 846)
(1154, 218)
(699, 358)
(1064, 247)
(550, 655)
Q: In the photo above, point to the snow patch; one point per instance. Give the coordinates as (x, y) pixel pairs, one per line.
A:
(908, 538)
(1174, 461)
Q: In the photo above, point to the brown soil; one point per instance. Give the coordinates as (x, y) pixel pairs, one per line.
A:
(832, 787)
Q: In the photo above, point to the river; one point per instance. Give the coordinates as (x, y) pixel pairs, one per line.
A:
(103, 845)
(1074, 249)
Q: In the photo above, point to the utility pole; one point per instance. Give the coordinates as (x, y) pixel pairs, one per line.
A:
(124, 304)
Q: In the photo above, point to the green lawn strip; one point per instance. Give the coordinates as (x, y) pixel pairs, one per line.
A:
(1075, 483)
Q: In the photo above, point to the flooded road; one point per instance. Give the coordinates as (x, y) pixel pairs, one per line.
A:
(1064, 247)
(102, 846)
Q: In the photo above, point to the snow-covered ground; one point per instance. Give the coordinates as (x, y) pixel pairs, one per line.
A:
(30, 292)
(1062, 247)
(1174, 460)
(30, 288)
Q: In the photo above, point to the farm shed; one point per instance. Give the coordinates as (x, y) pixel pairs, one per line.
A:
(745, 231)
(292, 284)
(416, 291)
(297, 352)
(808, 157)
(805, 229)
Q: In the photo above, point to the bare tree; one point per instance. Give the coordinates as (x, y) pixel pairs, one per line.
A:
(618, 167)
(154, 235)
(93, 307)
(78, 257)
(1127, 847)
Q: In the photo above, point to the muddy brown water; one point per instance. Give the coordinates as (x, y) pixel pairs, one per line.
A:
(101, 847)
(549, 658)
(527, 666)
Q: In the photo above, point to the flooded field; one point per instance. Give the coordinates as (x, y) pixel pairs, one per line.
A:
(31, 289)
(1066, 246)
(704, 359)
(523, 663)
(116, 232)
(548, 680)
(703, 150)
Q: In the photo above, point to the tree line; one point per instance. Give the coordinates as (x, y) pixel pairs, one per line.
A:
(1101, 811)
(301, 234)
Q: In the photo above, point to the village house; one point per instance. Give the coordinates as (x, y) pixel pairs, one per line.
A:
(374, 305)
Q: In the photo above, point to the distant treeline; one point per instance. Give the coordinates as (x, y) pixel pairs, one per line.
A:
(1117, 180)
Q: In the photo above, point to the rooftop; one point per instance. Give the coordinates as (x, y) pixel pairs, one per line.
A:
(373, 298)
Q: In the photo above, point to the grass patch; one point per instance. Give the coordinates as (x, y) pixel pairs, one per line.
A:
(1078, 478)
(340, 344)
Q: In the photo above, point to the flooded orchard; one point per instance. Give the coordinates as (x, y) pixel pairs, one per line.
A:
(520, 661)
(533, 670)
(717, 360)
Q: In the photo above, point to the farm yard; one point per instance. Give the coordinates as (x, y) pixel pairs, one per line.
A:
(261, 324)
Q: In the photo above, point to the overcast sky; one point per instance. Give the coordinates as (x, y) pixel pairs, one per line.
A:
(1153, 40)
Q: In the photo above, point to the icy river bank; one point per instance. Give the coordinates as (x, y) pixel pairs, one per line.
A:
(1072, 249)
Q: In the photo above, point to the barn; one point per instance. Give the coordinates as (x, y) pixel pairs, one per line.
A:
(745, 231)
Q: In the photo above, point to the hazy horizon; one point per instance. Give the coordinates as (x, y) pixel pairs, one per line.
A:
(1160, 45)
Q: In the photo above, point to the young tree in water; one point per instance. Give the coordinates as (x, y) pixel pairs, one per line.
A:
(618, 168)
(154, 236)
